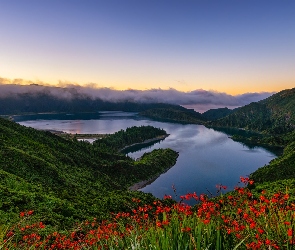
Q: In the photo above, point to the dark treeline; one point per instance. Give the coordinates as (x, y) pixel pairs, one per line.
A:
(215, 114)
(44, 102)
(273, 115)
(121, 139)
(174, 114)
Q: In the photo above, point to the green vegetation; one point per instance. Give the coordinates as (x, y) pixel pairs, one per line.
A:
(281, 168)
(121, 139)
(174, 114)
(272, 142)
(215, 114)
(235, 221)
(274, 115)
(67, 181)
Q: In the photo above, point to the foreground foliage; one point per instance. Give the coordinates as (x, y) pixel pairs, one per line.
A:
(239, 220)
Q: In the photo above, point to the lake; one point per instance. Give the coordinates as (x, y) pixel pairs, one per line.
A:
(207, 157)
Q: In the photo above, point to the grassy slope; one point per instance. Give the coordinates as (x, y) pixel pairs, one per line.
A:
(65, 181)
(280, 168)
(215, 114)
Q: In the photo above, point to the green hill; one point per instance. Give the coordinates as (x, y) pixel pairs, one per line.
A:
(66, 181)
(274, 115)
(215, 114)
(174, 114)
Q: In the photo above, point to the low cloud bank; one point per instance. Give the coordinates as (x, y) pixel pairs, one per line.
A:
(200, 99)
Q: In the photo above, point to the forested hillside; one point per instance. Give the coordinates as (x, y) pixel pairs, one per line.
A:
(174, 114)
(121, 139)
(65, 181)
(215, 114)
(275, 115)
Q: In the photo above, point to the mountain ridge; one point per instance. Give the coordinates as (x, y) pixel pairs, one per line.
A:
(275, 114)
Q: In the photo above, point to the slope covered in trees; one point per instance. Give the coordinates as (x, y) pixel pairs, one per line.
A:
(66, 181)
(215, 114)
(130, 136)
(275, 115)
(174, 114)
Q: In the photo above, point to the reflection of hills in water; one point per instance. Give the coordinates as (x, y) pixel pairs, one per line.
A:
(139, 147)
(251, 146)
(236, 131)
(76, 116)
(73, 116)
(116, 114)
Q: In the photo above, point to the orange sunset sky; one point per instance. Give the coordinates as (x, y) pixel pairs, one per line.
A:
(226, 46)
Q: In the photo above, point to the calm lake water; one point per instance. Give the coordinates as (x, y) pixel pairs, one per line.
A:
(206, 157)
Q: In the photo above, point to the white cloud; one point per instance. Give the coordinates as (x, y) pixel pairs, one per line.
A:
(197, 98)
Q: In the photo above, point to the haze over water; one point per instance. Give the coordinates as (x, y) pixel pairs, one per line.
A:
(206, 157)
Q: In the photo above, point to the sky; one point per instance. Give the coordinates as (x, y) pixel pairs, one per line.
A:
(230, 46)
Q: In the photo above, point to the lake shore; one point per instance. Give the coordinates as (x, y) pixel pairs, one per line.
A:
(142, 184)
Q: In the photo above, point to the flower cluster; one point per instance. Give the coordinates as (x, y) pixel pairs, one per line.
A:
(225, 222)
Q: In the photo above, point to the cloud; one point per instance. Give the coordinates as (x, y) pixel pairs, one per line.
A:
(197, 98)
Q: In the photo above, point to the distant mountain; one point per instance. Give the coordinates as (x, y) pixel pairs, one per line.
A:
(215, 114)
(175, 114)
(275, 114)
(46, 102)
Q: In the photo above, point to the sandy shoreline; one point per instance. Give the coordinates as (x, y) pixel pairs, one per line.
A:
(144, 183)
(141, 184)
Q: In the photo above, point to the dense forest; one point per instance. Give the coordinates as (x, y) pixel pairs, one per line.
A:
(119, 140)
(273, 115)
(215, 114)
(174, 114)
(67, 181)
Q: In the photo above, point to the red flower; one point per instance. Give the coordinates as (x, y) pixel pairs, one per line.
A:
(30, 212)
(186, 229)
